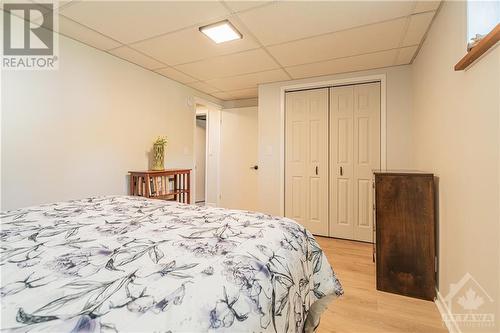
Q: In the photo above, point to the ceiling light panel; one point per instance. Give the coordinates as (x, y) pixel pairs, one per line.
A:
(221, 32)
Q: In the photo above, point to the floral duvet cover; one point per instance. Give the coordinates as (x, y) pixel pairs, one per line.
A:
(129, 264)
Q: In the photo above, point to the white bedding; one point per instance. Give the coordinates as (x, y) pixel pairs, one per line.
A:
(129, 264)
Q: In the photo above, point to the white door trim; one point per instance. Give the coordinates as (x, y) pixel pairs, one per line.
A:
(213, 106)
(382, 78)
(202, 113)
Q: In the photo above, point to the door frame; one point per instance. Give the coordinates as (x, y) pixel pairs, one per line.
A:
(382, 78)
(200, 113)
(215, 107)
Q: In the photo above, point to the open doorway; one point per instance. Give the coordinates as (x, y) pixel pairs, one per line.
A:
(200, 156)
(206, 154)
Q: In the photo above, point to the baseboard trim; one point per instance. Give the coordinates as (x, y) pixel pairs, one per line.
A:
(445, 313)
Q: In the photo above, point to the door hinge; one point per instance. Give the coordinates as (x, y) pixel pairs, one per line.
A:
(435, 264)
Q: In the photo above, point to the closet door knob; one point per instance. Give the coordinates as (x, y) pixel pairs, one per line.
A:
(317, 170)
(341, 171)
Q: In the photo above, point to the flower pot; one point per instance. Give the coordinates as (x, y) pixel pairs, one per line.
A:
(158, 157)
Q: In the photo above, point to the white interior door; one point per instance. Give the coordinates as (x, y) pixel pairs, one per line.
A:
(354, 153)
(306, 159)
(341, 164)
(200, 149)
(213, 155)
(238, 180)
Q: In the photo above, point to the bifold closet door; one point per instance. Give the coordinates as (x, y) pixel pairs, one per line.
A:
(354, 153)
(306, 159)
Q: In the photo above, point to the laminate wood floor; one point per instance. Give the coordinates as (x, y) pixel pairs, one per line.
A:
(363, 309)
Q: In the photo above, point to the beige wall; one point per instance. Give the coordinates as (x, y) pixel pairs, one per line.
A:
(75, 132)
(456, 136)
(399, 116)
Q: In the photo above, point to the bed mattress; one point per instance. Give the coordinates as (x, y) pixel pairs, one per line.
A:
(129, 264)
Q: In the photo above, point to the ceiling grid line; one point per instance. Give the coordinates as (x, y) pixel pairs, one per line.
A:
(321, 40)
(347, 29)
(350, 56)
(403, 36)
(426, 33)
(277, 44)
(196, 25)
(93, 30)
(235, 16)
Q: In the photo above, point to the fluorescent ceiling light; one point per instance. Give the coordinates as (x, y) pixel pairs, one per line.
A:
(221, 32)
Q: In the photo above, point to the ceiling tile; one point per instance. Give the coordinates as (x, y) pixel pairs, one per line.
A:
(405, 55)
(419, 23)
(129, 21)
(249, 80)
(239, 6)
(138, 58)
(203, 87)
(77, 31)
(175, 75)
(57, 4)
(290, 20)
(425, 6)
(349, 64)
(222, 95)
(190, 45)
(230, 65)
(376, 37)
(244, 93)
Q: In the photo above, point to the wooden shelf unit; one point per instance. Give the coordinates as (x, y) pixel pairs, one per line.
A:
(169, 184)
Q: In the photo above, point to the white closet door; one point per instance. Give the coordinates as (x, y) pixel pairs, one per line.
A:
(306, 173)
(366, 156)
(341, 164)
(354, 153)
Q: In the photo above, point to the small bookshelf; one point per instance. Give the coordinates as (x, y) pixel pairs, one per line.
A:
(169, 184)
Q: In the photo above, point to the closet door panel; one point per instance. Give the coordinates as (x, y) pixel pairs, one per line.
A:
(366, 118)
(318, 161)
(341, 162)
(306, 158)
(354, 153)
(296, 150)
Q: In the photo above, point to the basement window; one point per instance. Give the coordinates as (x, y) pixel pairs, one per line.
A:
(483, 30)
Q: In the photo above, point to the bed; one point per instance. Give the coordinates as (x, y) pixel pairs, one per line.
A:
(130, 264)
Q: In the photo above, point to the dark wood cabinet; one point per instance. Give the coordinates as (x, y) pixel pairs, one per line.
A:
(405, 233)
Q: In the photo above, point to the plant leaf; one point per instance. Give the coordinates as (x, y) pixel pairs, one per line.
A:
(26, 318)
(155, 254)
(111, 266)
(188, 266)
(61, 301)
(179, 275)
(71, 232)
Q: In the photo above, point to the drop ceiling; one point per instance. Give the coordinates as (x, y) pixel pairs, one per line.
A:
(282, 40)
